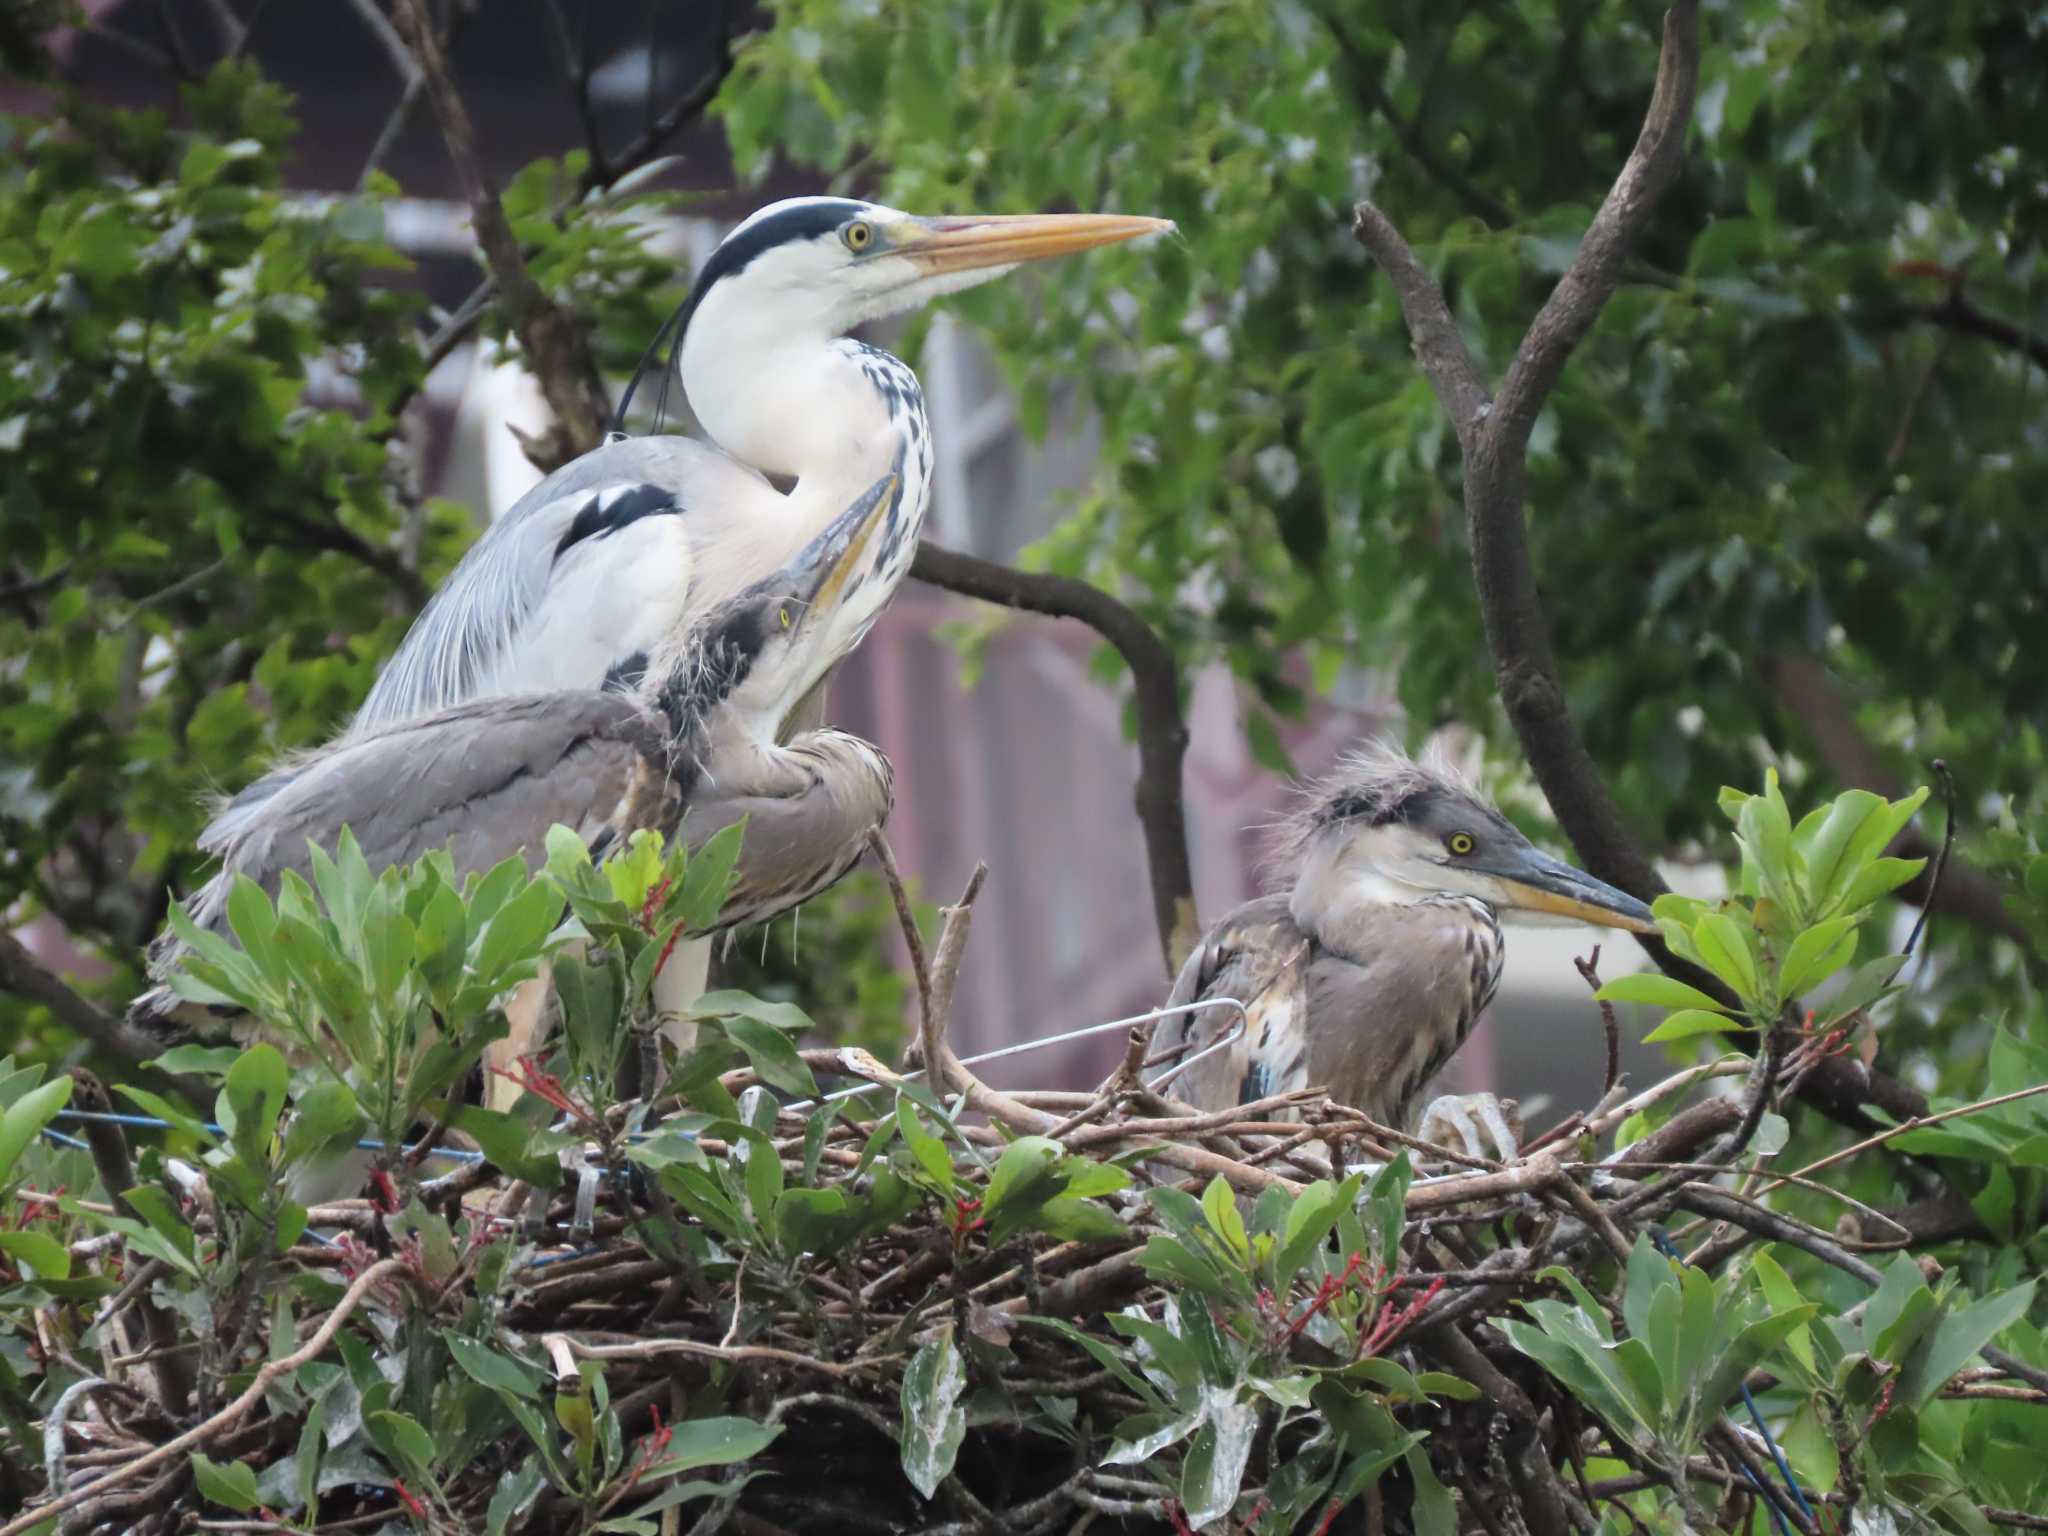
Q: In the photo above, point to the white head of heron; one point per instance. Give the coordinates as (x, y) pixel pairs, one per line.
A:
(1385, 828)
(801, 273)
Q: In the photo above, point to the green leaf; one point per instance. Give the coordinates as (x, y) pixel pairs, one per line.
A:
(1959, 1337)
(402, 1439)
(515, 1491)
(1816, 955)
(152, 1104)
(1693, 1021)
(50, 1258)
(1219, 1205)
(252, 1098)
(518, 930)
(934, 1423)
(26, 1117)
(708, 877)
(1659, 991)
(926, 1148)
(506, 1141)
(1880, 878)
(1023, 1161)
(231, 1484)
(491, 1367)
(770, 1053)
(1726, 953)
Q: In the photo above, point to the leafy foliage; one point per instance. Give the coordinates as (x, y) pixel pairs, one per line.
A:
(1784, 441)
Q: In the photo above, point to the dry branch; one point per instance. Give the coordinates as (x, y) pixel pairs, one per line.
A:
(556, 346)
(1155, 691)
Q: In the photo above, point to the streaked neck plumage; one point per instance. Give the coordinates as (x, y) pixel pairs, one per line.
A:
(1336, 897)
(784, 394)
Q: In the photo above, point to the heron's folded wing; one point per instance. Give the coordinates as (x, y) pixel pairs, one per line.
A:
(1241, 957)
(484, 780)
(581, 575)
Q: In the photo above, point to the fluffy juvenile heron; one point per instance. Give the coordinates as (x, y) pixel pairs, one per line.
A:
(694, 749)
(1367, 972)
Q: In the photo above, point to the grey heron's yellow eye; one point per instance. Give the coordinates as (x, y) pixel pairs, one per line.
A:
(785, 615)
(1459, 843)
(858, 235)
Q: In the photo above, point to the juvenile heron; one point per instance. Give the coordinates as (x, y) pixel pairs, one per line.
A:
(692, 750)
(1367, 972)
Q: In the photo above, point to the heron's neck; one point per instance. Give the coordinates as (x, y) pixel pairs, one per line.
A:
(1340, 900)
(798, 402)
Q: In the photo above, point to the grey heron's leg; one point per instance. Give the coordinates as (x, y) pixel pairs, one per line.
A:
(677, 986)
(1477, 1124)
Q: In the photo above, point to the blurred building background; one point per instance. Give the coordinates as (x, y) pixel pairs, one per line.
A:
(1029, 770)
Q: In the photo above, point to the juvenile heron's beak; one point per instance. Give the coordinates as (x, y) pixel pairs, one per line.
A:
(1530, 881)
(822, 569)
(972, 241)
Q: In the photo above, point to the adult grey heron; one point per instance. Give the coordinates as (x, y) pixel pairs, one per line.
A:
(1367, 972)
(578, 583)
(693, 749)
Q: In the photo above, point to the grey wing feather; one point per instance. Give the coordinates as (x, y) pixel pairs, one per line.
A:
(485, 780)
(1241, 957)
(476, 618)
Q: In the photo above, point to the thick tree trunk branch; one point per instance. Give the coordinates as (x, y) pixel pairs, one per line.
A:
(25, 979)
(1162, 729)
(1495, 440)
(1958, 315)
(1575, 303)
(557, 350)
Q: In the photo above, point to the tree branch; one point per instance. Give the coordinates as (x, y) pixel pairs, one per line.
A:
(1575, 303)
(25, 979)
(1162, 728)
(556, 347)
(1495, 440)
(1372, 94)
(1957, 314)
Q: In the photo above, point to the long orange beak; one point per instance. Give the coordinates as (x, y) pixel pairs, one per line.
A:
(972, 241)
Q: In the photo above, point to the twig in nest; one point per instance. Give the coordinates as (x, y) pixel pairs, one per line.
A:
(1948, 841)
(251, 1395)
(953, 926)
(913, 940)
(1590, 969)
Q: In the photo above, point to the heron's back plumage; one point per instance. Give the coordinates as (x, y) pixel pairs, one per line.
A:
(1370, 1011)
(523, 611)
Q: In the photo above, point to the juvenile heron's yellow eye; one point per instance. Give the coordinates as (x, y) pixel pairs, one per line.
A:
(859, 235)
(1459, 842)
(784, 615)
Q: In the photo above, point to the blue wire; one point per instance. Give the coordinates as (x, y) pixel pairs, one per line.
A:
(1756, 1417)
(65, 1141)
(1763, 1493)
(1669, 1249)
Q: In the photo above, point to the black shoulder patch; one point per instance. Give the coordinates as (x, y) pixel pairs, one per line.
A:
(625, 674)
(614, 507)
(1257, 1084)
